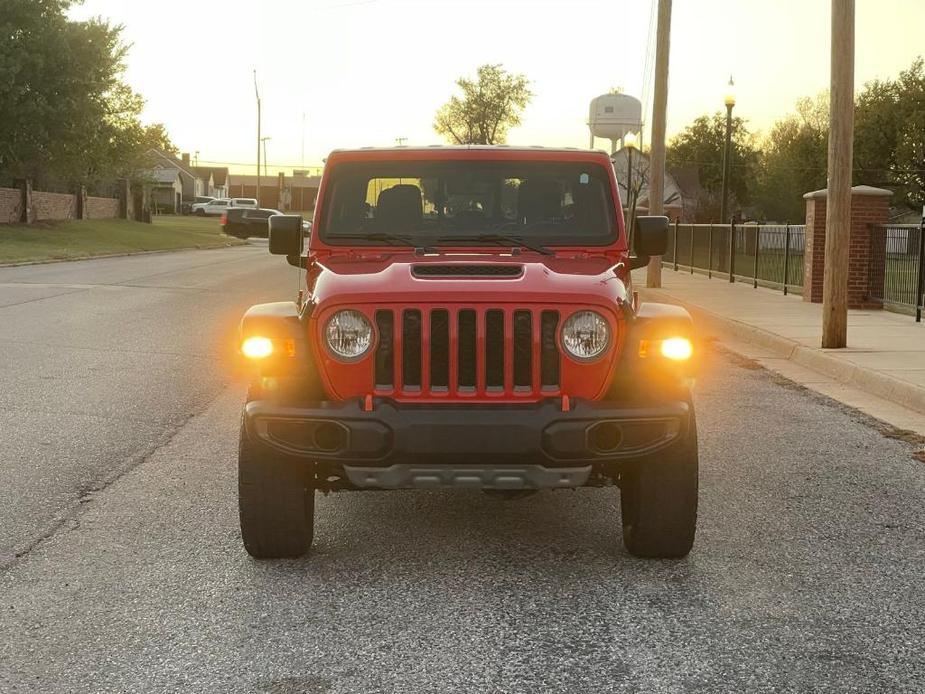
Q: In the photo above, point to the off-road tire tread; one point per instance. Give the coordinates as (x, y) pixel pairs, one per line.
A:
(276, 502)
(658, 501)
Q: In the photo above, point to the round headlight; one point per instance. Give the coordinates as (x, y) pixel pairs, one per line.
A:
(349, 335)
(585, 335)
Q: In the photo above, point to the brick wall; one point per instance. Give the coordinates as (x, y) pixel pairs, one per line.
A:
(59, 206)
(102, 208)
(10, 205)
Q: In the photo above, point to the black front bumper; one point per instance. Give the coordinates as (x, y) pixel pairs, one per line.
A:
(501, 446)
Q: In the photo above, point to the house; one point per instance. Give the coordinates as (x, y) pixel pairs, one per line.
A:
(206, 177)
(673, 198)
(193, 185)
(216, 179)
(163, 189)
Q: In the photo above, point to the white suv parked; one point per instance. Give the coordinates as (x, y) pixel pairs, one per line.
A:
(215, 208)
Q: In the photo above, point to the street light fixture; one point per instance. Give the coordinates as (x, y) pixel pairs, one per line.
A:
(730, 100)
(629, 143)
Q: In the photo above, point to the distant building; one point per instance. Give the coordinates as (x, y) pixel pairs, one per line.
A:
(216, 178)
(164, 189)
(285, 193)
(193, 185)
(673, 197)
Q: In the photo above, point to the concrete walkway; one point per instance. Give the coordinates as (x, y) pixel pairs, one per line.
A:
(885, 357)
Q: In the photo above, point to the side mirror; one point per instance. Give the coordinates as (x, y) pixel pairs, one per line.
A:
(286, 234)
(651, 237)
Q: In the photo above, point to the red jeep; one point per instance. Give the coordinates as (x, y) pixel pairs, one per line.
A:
(468, 320)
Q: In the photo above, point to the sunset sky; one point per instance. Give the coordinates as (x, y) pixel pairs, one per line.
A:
(365, 72)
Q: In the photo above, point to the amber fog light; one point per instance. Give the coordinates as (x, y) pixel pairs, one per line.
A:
(257, 347)
(677, 349)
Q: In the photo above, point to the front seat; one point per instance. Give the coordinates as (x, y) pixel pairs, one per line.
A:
(539, 199)
(399, 209)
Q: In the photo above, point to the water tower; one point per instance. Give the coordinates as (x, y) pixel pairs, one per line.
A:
(612, 116)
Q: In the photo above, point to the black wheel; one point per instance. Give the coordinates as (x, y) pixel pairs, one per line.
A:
(658, 500)
(200, 212)
(276, 501)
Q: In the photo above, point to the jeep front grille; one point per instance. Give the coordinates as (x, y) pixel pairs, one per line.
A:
(467, 351)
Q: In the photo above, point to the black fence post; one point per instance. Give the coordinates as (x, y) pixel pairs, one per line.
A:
(920, 283)
(676, 245)
(710, 262)
(732, 250)
(786, 257)
(757, 245)
(691, 226)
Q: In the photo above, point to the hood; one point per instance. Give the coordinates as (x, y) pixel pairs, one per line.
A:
(469, 278)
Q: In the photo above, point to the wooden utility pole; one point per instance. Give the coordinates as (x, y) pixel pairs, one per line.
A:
(838, 205)
(659, 114)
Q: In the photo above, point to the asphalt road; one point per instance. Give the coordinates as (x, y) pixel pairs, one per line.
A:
(806, 575)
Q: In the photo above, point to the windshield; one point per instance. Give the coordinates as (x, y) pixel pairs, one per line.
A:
(427, 202)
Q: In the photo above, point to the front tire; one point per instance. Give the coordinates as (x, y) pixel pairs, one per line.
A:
(276, 501)
(658, 500)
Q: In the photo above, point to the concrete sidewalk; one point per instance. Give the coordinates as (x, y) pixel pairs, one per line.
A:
(885, 357)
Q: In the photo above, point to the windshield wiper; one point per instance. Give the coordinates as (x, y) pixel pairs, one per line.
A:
(501, 240)
(390, 239)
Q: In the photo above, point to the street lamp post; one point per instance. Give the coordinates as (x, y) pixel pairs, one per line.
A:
(629, 143)
(730, 101)
(264, 141)
(257, 93)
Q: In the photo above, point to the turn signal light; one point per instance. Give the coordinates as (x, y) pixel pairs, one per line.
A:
(257, 347)
(677, 348)
(674, 348)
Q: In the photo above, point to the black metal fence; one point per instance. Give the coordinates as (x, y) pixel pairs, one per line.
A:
(897, 265)
(769, 255)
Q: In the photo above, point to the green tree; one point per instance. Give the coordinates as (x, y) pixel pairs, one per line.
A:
(889, 140)
(65, 113)
(793, 161)
(487, 108)
(700, 147)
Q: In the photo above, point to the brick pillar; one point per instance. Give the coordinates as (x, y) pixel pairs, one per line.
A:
(81, 194)
(814, 246)
(869, 206)
(125, 199)
(27, 210)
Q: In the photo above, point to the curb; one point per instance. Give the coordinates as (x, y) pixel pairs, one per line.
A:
(49, 261)
(871, 382)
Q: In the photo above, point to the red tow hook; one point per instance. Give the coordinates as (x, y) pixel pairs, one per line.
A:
(368, 403)
(566, 404)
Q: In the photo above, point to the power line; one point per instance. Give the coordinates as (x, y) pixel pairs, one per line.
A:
(251, 164)
(822, 167)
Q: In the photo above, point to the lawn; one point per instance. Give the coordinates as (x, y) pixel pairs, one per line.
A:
(86, 238)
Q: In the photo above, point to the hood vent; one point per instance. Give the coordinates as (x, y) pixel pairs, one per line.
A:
(432, 270)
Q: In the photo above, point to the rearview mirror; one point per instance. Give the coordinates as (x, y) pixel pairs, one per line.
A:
(286, 234)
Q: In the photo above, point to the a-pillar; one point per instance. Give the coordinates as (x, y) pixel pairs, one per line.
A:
(869, 207)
